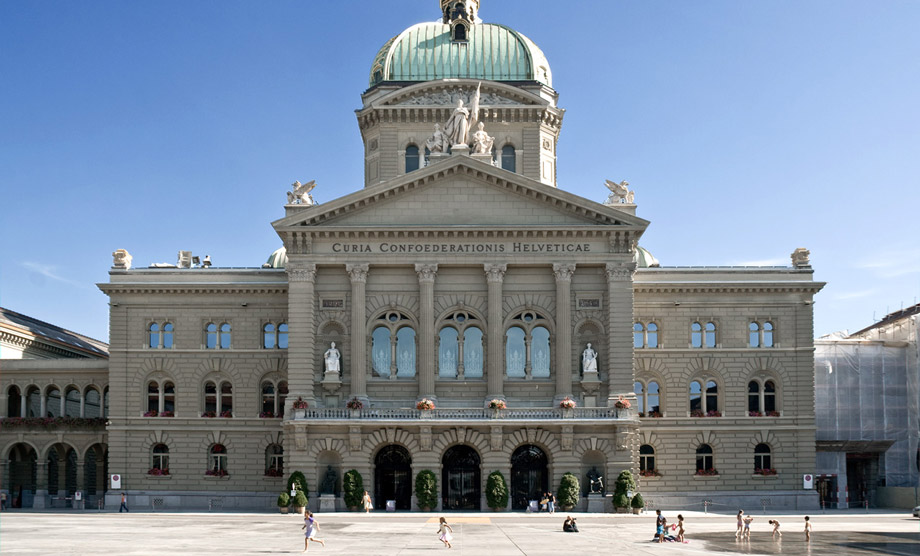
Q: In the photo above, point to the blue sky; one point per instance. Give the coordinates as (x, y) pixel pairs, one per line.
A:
(747, 129)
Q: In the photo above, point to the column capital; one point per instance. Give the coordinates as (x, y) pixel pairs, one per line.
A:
(302, 273)
(357, 272)
(426, 272)
(563, 271)
(495, 272)
(620, 272)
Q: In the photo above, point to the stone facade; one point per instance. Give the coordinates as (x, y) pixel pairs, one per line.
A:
(459, 280)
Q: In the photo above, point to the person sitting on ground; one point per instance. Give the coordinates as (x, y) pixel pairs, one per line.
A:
(569, 526)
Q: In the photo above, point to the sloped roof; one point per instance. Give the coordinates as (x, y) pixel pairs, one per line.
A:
(53, 334)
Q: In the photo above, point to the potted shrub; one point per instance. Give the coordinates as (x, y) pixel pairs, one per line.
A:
(624, 483)
(496, 491)
(353, 489)
(354, 407)
(300, 502)
(637, 503)
(284, 500)
(426, 490)
(568, 492)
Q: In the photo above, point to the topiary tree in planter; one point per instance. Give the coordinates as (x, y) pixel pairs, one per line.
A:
(353, 489)
(637, 503)
(567, 497)
(300, 501)
(297, 478)
(284, 500)
(624, 483)
(426, 489)
(496, 491)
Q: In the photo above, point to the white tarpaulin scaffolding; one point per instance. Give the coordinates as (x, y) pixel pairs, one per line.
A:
(866, 392)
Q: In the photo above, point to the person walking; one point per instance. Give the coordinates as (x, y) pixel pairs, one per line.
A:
(124, 503)
(776, 531)
(747, 527)
(551, 504)
(366, 501)
(680, 528)
(740, 527)
(311, 527)
(807, 529)
(445, 532)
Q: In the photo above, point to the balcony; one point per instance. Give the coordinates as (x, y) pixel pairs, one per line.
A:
(455, 415)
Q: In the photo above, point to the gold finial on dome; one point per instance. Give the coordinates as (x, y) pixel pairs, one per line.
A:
(459, 10)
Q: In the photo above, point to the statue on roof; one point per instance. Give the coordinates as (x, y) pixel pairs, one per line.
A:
(301, 193)
(482, 141)
(619, 193)
(462, 120)
(437, 143)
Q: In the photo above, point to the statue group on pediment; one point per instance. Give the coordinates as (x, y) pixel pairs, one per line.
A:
(456, 131)
(300, 193)
(451, 96)
(619, 193)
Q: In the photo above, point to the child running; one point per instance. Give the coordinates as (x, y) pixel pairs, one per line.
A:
(312, 527)
(807, 529)
(444, 532)
(776, 531)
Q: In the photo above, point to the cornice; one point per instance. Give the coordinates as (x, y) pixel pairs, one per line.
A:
(174, 288)
(723, 287)
(46, 345)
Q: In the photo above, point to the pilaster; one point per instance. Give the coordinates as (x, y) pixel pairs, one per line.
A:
(357, 273)
(426, 367)
(301, 319)
(563, 359)
(41, 484)
(495, 276)
(620, 372)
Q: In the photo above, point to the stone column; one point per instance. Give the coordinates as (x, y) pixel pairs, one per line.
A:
(81, 466)
(426, 360)
(22, 405)
(619, 330)
(43, 411)
(301, 330)
(563, 357)
(41, 484)
(358, 275)
(4, 404)
(495, 347)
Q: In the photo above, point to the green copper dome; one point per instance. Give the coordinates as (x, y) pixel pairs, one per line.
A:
(425, 52)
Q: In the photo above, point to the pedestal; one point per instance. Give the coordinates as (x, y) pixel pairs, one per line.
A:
(327, 502)
(484, 157)
(595, 503)
(434, 158)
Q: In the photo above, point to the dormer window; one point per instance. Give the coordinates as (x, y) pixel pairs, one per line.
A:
(458, 33)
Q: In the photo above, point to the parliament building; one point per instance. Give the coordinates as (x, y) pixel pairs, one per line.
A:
(461, 313)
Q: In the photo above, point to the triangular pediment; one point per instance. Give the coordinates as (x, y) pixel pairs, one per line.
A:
(463, 192)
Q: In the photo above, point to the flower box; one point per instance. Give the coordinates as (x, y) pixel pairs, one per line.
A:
(425, 405)
(299, 403)
(649, 473)
(151, 413)
(168, 414)
(755, 414)
(266, 415)
(568, 403)
(216, 473)
(773, 414)
(622, 403)
(274, 473)
(498, 404)
(706, 472)
(765, 472)
(354, 404)
(52, 422)
(209, 414)
(226, 414)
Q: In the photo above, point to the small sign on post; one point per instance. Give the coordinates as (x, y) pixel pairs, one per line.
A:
(78, 495)
(115, 481)
(808, 481)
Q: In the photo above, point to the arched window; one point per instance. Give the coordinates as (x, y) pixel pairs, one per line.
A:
(105, 402)
(217, 460)
(459, 32)
(225, 336)
(217, 337)
(393, 350)
(210, 336)
(703, 335)
(153, 397)
(460, 347)
(647, 398)
(509, 161)
(169, 398)
(72, 403)
(754, 398)
(527, 347)
(274, 460)
(647, 460)
(91, 405)
(705, 462)
(210, 399)
(274, 337)
(14, 402)
(273, 398)
(762, 459)
(645, 335)
(769, 397)
(160, 458)
(226, 399)
(760, 334)
(704, 404)
(154, 335)
(168, 335)
(33, 402)
(411, 158)
(639, 391)
(53, 402)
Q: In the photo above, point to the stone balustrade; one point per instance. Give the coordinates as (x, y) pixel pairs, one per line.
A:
(465, 414)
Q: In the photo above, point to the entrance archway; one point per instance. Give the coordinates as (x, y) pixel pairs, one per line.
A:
(393, 477)
(460, 479)
(23, 475)
(529, 476)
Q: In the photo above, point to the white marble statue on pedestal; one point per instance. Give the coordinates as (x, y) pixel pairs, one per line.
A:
(301, 193)
(482, 141)
(589, 359)
(462, 119)
(437, 143)
(619, 193)
(332, 358)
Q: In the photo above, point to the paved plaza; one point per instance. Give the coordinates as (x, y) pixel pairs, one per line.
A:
(67, 532)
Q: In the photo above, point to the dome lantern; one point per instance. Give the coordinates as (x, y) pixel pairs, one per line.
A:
(460, 15)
